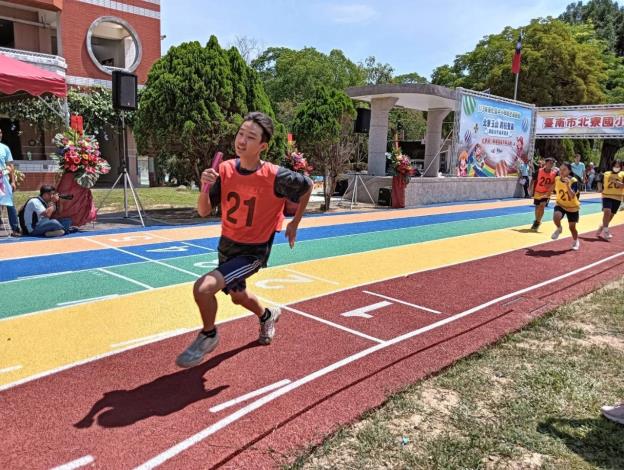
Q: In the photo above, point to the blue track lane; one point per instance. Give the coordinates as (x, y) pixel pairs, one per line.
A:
(101, 258)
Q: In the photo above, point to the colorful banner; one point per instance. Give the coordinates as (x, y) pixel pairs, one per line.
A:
(580, 122)
(493, 135)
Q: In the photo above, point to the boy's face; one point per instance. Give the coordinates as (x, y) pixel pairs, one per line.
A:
(248, 143)
(548, 165)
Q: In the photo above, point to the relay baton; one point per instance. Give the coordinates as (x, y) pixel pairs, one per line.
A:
(216, 160)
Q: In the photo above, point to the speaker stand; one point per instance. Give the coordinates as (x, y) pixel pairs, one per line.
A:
(127, 181)
(357, 180)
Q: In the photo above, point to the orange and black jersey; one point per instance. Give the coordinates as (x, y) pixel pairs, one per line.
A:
(252, 204)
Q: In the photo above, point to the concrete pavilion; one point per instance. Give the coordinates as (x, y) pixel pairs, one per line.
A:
(437, 100)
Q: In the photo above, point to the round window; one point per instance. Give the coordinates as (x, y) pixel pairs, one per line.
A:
(113, 44)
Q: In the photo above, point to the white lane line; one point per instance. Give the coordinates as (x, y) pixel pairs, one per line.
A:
(82, 362)
(398, 301)
(363, 311)
(226, 421)
(145, 258)
(184, 243)
(312, 277)
(81, 462)
(326, 322)
(152, 338)
(247, 396)
(39, 276)
(6, 370)
(82, 301)
(125, 278)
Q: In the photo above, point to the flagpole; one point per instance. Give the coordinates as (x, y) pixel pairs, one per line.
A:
(516, 87)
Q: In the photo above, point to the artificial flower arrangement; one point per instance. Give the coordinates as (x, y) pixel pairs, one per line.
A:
(80, 154)
(400, 165)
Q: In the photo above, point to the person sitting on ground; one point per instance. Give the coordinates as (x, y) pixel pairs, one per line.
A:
(36, 215)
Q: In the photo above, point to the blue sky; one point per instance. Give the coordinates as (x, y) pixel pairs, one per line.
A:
(412, 36)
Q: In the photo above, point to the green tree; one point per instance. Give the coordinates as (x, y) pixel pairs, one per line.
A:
(194, 101)
(290, 76)
(409, 78)
(322, 127)
(375, 72)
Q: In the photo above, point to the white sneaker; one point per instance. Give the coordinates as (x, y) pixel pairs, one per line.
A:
(608, 233)
(556, 233)
(195, 353)
(614, 413)
(267, 328)
(599, 231)
(576, 245)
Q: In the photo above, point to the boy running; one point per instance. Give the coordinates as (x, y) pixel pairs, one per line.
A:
(568, 204)
(251, 193)
(543, 187)
(612, 195)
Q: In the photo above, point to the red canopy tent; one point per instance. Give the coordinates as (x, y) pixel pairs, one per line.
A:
(16, 76)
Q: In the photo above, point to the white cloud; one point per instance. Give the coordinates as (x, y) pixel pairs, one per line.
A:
(351, 13)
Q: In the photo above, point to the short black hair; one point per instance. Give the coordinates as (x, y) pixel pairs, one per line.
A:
(568, 165)
(265, 123)
(550, 159)
(46, 188)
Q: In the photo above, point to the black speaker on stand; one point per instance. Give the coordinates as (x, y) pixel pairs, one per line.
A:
(125, 99)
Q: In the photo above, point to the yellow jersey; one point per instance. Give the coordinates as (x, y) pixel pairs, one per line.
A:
(609, 189)
(563, 195)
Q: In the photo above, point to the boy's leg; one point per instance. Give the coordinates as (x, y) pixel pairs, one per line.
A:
(204, 291)
(207, 340)
(248, 300)
(573, 230)
(268, 316)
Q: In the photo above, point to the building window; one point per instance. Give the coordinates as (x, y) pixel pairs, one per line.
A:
(113, 44)
(7, 34)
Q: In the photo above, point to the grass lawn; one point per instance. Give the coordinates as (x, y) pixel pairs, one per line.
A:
(152, 198)
(531, 401)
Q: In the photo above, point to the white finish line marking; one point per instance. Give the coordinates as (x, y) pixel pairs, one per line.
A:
(155, 337)
(81, 462)
(226, 421)
(420, 307)
(6, 370)
(363, 311)
(247, 396)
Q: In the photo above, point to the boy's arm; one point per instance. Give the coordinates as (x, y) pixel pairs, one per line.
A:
(206, 201)
(297, 188)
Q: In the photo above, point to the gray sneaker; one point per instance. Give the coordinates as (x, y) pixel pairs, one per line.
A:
(267, 328)
(194, 354)
(614, 413)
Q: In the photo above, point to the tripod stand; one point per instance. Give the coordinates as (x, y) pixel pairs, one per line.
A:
(127, 182)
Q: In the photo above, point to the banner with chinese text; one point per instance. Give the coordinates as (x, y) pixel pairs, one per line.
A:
(493, 135)
(580, 122)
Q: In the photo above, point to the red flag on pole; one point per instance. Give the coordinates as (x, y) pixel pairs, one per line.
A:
(515, 65)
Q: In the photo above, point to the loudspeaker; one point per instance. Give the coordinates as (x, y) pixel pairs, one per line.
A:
(362, 121)
(385, 197)
(124, 90)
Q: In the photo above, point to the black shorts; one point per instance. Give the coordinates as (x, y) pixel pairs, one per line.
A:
(611, 204)
(544, 200)
(236, 270)
(572, 216)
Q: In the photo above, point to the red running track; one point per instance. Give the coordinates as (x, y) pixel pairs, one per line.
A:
(136, 407)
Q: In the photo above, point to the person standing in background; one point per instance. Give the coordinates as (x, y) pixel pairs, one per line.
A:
(7, 186)
(578, 171)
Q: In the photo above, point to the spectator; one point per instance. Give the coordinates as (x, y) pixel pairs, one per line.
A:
(523, 176)
(591, 176)
(38, 212)
(7, 186)
(578, 170)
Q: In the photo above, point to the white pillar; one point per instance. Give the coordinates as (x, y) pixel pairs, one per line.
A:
(433, 140)
(378, 135)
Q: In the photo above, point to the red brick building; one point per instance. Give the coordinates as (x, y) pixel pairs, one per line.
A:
(84, 41)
